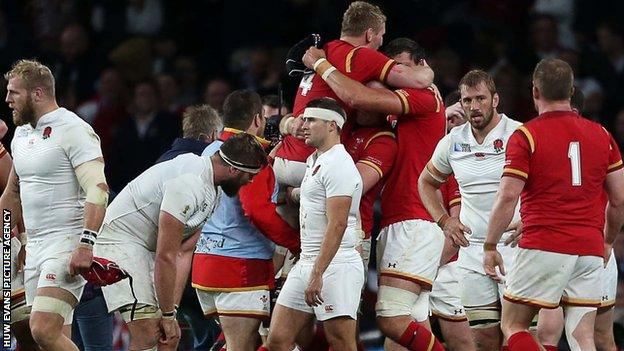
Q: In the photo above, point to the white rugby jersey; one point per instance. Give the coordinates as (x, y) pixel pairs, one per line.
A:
(478, 169)
(333, 173)
(45, 158)
(183, 187)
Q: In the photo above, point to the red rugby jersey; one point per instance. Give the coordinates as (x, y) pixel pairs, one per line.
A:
(451, 198)
(376, 148)
(356, 62)
(419, 129)
(564, 160)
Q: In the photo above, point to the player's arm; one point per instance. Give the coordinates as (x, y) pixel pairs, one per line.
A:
(184, 263)
(356, 94)
(91, 178)
(6, 163)
(614, 186)
(10, 199)
(429, 183)
(503, 210)
(377, 159)
(337, 216)
(170, 231)
(402, 76)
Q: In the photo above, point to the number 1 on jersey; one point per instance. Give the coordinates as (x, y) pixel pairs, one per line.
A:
(574, 154)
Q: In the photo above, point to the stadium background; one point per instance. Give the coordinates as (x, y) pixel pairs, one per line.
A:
(186, 52)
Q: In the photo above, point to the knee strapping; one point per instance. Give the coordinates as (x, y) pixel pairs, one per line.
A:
(52, 305)
(483, 316)
(393, 302)
(420, 309)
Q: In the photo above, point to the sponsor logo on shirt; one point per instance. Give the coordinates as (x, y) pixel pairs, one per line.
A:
(316, 169)
(186, 209)
(461, 147)
(50, 277)
(329, 308)
(480, 156)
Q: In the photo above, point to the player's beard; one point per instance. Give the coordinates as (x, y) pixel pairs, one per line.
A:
(486, 119)
(25, 115)
(231, 186)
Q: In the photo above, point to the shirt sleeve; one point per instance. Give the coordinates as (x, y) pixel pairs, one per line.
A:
(518, 154)
(337, 183)
(3, 150)
(418, 101)
(615, 158)
(380, 153)
(366, 64)
(440, 157)
(181, 196)
(81, 144)
(451, 194)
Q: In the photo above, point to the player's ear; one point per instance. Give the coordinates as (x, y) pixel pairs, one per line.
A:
(535, 92)
(495, 100)
(369, 35)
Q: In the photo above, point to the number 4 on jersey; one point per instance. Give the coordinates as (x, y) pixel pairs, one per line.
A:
(574, 154)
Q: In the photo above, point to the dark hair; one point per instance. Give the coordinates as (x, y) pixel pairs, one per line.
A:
(328, 104)
(359, 17)
(240, 108)
(400, 45)
(453, 97)
(554, 79)
(475, 77)
(244, 149)
(577, 100)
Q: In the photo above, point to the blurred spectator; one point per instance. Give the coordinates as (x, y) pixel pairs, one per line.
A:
(255, 70)
(592, 91)
(141, 139)
(270, 105)
(447, 65)
(75, 68)
(563, 12)
(215, 93)
(133, 59)
(169, 94)
(609, 67)
(107, 109)
(165, 50)
(185, 71)
(273, 114)
(144, 17)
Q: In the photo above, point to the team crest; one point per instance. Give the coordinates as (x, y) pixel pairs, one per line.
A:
(498, 145)
(186, 208)
(461, 147)
(46, 132)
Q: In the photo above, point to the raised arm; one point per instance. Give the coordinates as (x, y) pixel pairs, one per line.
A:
(402, 76)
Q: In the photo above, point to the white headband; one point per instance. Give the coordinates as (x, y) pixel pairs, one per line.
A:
(239, 166)
(324, 114)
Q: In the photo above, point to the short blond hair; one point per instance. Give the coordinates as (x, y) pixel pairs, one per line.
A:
(359, 17)
(34, 74)
(200, 119)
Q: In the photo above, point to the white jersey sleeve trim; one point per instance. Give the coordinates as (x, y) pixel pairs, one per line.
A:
(440, 157)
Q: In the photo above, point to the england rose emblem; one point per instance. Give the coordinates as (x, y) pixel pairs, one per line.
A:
(498, 145)
(46, 132)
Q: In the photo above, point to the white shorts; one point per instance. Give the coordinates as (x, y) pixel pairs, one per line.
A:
(289, 172)
(250, 304)
(609, 282)
(477, 289)
(19, 310)
(139, 263)
(445, 297)
(47, 265)
(342, 287)
(410, 250)
(546, 279)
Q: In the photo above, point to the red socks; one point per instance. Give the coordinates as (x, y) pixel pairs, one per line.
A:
(522, 341)
(504, 348)
(262, 348)
(551, 347)
(418, 338)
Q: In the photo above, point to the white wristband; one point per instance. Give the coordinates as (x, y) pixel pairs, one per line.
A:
(328, 72)
(318, 62)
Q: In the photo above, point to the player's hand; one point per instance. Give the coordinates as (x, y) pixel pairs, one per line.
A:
(454, 230)
(296, 128)
(607, 253)
(21, 259)
(516, 235)
(169, 334)
(455, 111)
(313, 291)
(312, 55)
(81, 260)
(491, 260)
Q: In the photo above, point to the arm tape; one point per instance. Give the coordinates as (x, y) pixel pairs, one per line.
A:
(90, 174)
